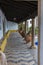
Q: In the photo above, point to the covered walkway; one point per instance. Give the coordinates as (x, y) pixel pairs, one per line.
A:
(17, 52)
(13, 13)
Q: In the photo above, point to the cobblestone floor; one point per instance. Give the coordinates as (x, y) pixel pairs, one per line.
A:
(17, 52)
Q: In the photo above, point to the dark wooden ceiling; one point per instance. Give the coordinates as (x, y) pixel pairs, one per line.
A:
(19, 10)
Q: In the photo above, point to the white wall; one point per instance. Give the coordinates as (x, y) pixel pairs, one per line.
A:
(2, 19)
(6, 29)
(1, 23)
(8, 25)
(12, 26)
(41, 35)
(36, 21)
(29, 24)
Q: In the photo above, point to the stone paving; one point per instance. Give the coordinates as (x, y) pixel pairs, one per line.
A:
(17, 52)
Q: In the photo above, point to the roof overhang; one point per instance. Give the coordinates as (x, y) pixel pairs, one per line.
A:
(19, 10)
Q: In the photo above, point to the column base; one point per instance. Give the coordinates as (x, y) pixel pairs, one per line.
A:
(33, 47)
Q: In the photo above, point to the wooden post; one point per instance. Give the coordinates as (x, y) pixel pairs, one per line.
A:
(39, 22)
(32, 32)
(25, 26)
(4, 27)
